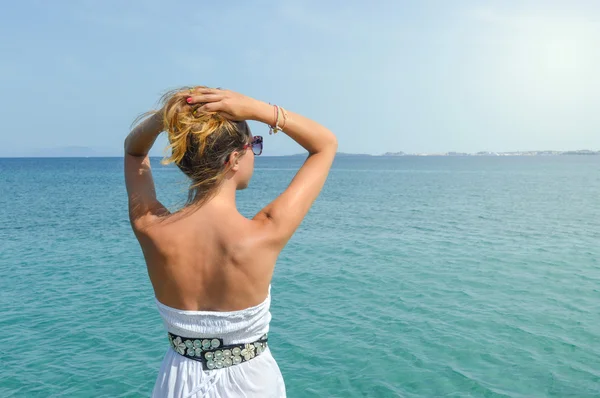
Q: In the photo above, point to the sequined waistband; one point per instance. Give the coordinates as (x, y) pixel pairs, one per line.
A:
(213, 353)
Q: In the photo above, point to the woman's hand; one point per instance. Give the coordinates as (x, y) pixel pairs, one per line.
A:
(231, 105)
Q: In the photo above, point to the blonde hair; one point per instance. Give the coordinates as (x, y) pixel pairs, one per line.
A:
(200, 142)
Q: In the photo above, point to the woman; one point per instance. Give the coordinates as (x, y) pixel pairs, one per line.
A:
(211, 267)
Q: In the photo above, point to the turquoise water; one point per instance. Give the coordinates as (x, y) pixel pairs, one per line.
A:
(412, 277)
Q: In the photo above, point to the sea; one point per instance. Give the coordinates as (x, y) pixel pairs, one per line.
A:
(409, 277)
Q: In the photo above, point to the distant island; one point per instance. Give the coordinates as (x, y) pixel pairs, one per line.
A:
(517, 153)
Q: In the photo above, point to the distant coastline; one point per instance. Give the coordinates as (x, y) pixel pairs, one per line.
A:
(515, 153)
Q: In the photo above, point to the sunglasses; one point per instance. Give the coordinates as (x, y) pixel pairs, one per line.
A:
(256, 145)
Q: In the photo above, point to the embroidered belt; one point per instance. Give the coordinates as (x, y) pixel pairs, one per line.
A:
(213, 354)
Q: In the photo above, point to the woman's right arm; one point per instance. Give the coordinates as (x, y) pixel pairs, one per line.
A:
(284, 214)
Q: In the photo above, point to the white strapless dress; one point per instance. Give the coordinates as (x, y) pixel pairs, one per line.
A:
(181, 377)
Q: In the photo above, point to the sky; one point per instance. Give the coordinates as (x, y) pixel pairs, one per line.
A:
(384, 76)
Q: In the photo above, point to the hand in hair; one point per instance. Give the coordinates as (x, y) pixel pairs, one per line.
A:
(231, 105)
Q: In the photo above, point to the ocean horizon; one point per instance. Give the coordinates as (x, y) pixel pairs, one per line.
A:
(87, 152)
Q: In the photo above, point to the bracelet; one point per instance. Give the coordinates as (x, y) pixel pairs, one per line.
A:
(285, 117)
(275, 129)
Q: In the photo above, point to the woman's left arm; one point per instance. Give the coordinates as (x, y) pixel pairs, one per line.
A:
(142, 137)
(144, 207)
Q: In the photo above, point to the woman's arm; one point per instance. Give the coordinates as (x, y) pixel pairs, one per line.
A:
(311, 135)
(283, 215)
(142, 137)
(144, 207)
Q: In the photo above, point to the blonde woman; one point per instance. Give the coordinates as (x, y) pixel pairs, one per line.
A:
(211, 267)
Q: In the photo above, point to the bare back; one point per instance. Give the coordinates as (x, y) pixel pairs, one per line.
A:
(213, 259)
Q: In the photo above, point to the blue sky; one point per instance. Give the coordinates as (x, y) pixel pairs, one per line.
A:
(419, 76)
